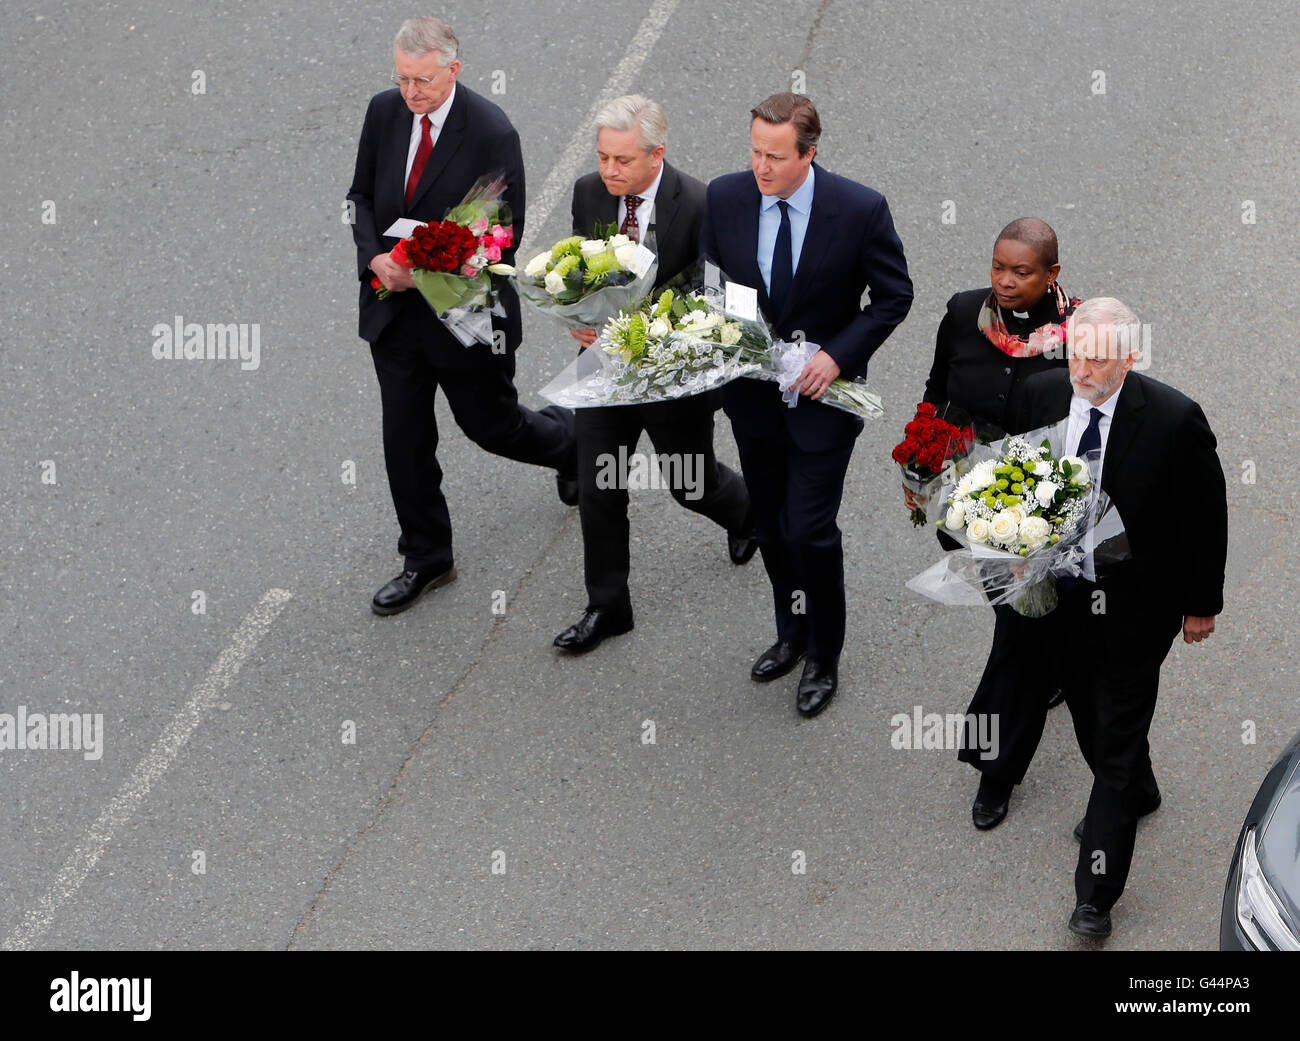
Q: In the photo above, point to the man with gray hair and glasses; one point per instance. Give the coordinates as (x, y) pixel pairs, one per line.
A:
(637, 189)
(424, 145)
(1161, 470)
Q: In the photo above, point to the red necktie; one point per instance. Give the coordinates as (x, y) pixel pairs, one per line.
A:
(631, 226)
(421, 157)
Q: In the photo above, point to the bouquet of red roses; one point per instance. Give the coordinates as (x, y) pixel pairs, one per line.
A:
(930, 442)
(451, 261)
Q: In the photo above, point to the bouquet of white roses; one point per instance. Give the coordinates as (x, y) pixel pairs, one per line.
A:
(661, 349)
(1024, 516)
(584, 282)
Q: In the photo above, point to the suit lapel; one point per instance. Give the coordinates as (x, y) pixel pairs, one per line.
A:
(822, 226)
(1124, 426)
(449, 140)
(665, 207)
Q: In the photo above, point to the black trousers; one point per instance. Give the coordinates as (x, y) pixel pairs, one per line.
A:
(1111, 692)
(1020, 675)
(680, 429)
(481, 393)
(796, 497)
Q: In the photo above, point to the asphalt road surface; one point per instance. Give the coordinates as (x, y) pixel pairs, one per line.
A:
(497, 795)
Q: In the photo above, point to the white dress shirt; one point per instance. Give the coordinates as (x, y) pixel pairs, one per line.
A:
(436, 118)
(1081, 417)
(644, 212)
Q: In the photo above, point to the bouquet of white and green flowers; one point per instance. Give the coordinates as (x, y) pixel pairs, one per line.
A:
(660, 349)
(584, 282)
(677, 345)
(1025, 516)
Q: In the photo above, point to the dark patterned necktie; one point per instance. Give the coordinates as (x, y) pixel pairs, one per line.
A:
(421, 157)
(782, 263)
(1091, 439)
(631, 226)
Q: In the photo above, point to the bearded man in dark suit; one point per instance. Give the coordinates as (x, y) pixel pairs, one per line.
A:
(1160, 468)
(810, 243)
(423, 146)
(652, 202)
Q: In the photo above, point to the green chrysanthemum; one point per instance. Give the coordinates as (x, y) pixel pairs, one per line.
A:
(634, 338)
(665, 303)
(567, 247)
(600, 267)
(566, 263)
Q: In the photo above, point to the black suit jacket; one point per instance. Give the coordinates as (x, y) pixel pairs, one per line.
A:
(1163, 473)
(476, 140)
(972, 374)
(850, 247)
(678, 211)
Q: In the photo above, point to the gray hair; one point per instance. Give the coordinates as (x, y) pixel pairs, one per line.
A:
(1099, 311)
(418, 36)
(633, 110)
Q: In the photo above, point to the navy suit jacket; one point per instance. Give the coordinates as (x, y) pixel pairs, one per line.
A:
(476, 140)
(1163, 473)
(850, 247)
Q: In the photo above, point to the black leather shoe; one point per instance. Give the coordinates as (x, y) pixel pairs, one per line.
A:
(776, 661)
(817, 686)
(991, 804)
(1078, 828)
(1056, 697)
(1088, 921)
(741, 547)
(595, 624)
(405, 589)
(567, 489)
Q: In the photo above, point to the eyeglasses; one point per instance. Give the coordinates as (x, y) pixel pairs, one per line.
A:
(421, 83)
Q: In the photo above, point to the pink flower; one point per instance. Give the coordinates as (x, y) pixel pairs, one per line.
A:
(493, 252)
(503, 237)
(479, 226)
(469, 270)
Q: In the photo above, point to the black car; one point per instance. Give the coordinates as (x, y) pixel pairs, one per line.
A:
(1261, 904)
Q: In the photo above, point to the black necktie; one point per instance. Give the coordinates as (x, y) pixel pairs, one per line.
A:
(1091, 439)
(782, 263)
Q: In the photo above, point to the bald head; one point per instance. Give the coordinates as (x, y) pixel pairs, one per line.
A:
(1035, 233)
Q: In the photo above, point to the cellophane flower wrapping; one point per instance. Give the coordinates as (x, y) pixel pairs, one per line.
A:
(583, 283)
(1026, 515)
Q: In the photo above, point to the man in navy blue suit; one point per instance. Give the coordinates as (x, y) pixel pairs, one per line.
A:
(810, 243)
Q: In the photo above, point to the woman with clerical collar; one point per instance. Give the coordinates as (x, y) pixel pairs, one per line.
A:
(990, 341)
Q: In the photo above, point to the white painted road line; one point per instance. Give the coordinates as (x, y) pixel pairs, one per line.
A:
(580, 152)
(136, 789)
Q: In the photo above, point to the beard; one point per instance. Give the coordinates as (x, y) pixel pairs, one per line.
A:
(1096, 392)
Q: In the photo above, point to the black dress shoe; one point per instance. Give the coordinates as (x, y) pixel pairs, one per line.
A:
(776, 661)
(817, 686)
(1056, 697)
(405, 589)
(567, 489)
(741, 547)
(595, 624)
(1151, 808)
(1088, 921)
(991, 804)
